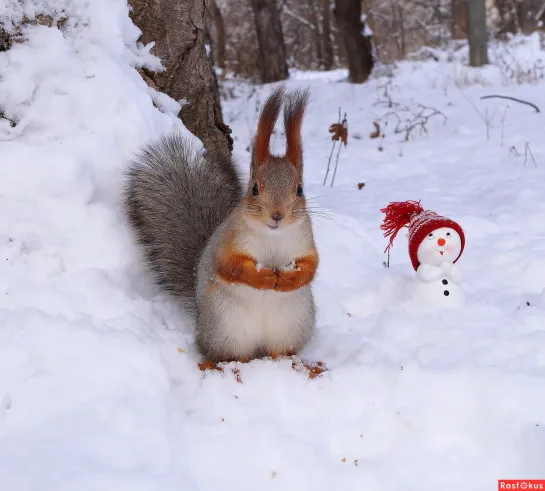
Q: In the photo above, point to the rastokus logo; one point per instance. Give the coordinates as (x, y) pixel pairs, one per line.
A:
(524, 484)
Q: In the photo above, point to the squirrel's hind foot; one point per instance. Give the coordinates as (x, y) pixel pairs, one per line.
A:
(275, 355)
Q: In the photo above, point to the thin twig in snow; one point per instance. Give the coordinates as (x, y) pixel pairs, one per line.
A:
(503, 123)
(331, 154)
(341, 134)
(484, 117)
(526, 152)
(382, 136)
(418, 118)
(329, 162)
(513, 151)
(512, 99)
(336, 163)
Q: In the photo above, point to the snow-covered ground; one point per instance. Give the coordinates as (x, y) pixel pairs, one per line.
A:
(99, 384)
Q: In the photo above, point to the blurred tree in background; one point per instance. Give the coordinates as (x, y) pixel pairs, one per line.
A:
(356, 39)
(270, 41)
(477, 32)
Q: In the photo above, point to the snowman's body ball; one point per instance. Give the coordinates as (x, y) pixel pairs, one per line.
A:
(443, 290)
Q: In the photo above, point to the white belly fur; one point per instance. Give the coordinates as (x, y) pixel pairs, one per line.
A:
(264, 320)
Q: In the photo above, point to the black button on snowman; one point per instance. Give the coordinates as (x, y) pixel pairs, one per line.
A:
(435, 244)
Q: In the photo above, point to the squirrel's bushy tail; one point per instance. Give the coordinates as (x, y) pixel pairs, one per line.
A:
(175, 196)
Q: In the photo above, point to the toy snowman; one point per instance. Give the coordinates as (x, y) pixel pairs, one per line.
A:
(435, 245)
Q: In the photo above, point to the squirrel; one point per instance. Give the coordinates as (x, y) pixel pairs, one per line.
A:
(241, 259)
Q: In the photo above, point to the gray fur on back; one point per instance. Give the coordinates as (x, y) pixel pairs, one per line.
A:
(175, 197)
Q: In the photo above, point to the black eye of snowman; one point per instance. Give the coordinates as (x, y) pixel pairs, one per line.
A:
(448, 235)
(430, 236)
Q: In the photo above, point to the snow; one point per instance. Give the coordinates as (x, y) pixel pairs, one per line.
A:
(367, 32)
(99, 384)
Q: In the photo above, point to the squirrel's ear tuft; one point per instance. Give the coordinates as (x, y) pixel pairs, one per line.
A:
(267, 120)
(293, 121)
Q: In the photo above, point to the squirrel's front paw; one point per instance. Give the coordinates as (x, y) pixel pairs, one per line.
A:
(265, 279)
(288, 281)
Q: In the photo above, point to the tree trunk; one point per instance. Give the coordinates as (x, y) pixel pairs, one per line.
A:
(177, 28)
(270, 39)
(526, 12)
(358, 47)
(399, 28)
(508, 17)
(218, 33)
(476, 33)
(326, 35)
(459, 19)
(316, 36)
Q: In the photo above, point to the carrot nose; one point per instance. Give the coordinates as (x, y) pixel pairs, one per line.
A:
(441, 241)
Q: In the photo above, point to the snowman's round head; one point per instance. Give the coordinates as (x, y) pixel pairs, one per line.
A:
(441, 245)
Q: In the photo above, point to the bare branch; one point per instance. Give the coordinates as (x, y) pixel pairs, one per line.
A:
(292, 14)
(512, 99)
(413, 118)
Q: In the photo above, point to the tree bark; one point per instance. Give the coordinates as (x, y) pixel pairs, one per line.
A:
(218, 32)
(477, 34)
(316, 36)
(177, 28)
(526, 11)
(270, 38)
(508, 17)
(326, 35)
(398, 17)
(459, 19)
(358, 47)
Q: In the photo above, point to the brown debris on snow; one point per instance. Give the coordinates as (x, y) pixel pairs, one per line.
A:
(236, 373)
(209, 365)
(313, 369)
(376, 133)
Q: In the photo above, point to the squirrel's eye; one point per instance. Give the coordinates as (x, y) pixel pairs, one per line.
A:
(430, 236)
(255, 190)
(299, 190)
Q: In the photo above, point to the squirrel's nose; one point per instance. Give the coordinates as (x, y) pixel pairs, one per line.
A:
(277, 216)
(441, 241)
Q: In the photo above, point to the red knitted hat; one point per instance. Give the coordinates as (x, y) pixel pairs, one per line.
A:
(420, 223)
